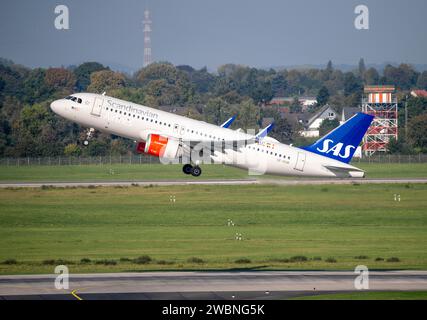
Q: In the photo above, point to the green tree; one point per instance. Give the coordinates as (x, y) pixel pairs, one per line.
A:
(135, 95)
(106, 80)
(57, 78)
(417, 132)
(83, 73)
(279, 85)
(352, 84)
(5, 130)
(416, 107)
(398, 146)
(295, 106)
(119, 147)
(322, 96)
(404, 76)
(35, 133)
(216, 111)
(422, 80)
(12, 77)
(327, 126)
(329, 67)
(202, 80)
(72, 150)
(165, 84)
(362, 68)
(161, 93)
(35, 87)
(282, 130)
(249, 115)
(372, 77)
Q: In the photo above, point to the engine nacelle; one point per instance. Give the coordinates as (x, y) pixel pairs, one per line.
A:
(159, 146)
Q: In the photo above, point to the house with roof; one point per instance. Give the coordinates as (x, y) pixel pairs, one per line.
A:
(305, 101)
(312, 125)
(327, 112)
(419, 93)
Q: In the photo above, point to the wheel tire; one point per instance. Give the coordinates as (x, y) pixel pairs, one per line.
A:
(196, 171)
(187, 168)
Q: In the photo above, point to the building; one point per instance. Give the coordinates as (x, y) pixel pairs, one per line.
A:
(419, 93)
(283, 101)
(312, 124)
(381, 102)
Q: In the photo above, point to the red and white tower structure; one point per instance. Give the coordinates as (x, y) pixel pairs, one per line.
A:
(381, 102)
(147, 38)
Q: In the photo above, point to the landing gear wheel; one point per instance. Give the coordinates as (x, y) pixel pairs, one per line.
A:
(196, 171)
(187, 168)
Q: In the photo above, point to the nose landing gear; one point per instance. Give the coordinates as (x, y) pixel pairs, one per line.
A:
(194, 171)
(89, 135)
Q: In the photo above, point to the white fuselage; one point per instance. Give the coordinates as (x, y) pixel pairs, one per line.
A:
(136, 122)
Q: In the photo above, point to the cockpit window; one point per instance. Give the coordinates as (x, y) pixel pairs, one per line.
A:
(75, 99)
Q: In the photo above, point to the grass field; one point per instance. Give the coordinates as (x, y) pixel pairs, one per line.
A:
(174, 172)
(368, 295)
(329, 227)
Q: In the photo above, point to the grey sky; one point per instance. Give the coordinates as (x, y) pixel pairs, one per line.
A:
(214, 32)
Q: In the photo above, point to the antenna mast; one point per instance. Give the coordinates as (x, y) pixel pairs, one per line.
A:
(147, 38)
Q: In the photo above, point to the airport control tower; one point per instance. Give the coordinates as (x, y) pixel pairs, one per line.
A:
(147, 39)
(381, 102)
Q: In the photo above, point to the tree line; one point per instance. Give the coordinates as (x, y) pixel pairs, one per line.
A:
(29, 128)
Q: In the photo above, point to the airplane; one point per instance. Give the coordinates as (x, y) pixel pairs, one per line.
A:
(192, 142)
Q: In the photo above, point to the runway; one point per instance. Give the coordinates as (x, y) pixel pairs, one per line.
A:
(278, 181)
(205, 285)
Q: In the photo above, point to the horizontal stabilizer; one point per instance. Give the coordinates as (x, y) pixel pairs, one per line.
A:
(346, 171)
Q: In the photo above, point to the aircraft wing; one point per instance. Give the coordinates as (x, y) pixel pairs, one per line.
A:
(216, 145)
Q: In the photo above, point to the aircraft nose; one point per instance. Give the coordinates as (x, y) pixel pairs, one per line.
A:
(55, 106)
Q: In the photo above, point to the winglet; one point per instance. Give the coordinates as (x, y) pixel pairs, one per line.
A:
(228, 123)
(264, 132)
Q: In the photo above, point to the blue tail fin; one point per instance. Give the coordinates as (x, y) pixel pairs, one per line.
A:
(341, 143)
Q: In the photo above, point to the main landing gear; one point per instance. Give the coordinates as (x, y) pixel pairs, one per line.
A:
(194, 171)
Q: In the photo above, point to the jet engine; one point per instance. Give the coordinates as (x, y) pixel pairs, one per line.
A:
(159, 146)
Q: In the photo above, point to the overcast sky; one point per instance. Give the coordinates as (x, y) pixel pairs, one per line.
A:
(213, 32)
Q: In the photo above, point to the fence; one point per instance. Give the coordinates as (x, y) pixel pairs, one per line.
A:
(392, 158)
(144, 159)
(64, 161)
